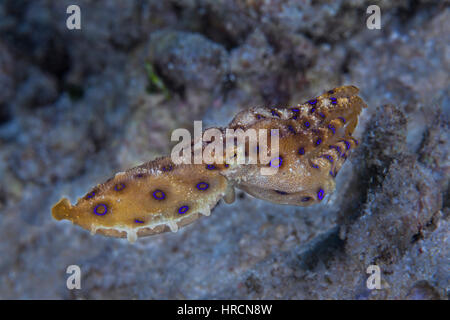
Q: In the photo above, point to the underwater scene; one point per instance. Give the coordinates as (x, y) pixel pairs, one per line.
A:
(224, 149)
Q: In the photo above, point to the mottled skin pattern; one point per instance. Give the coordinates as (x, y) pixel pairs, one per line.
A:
(314, 142)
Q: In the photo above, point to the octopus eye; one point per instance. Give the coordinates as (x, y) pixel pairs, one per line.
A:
(159, 195)
(183, 209)
(281, 192)
(101, 209)
(202, 186)
(306, 199)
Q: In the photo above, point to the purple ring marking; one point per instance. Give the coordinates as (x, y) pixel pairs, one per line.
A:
(274, 113)
(183, 209)
(159, 195)
(280, 161)
(332, 128)
(119, 187)
(347, 144)
(291, 129)
(202, 186)
(329, 158)
(315, 166)
(320, 194)
(101, 205)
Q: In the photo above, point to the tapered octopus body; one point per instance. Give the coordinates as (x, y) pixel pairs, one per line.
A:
(315, 139)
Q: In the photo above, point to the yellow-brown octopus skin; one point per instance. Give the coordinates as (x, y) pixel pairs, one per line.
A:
(315, 139)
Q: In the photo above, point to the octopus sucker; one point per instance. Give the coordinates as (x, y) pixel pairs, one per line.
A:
(315, 139)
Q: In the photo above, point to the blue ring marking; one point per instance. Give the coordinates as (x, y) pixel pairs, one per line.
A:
(291, 129)
(226, 165)
(295, 117)
(210, 167)
(342, 119)
(295, 110)
(315, 166)
(305, 199)
(105, 208)
(279, 164)
(332, 174)
(159, 194)
(332, 128)
(90, 195)
(307, 124)
(167, 168)
(356, 141)
(312, 110)
(183, 209)
(119, 187)
(301, 151)
(202, 186)
(281, 192)
(319, 141)
(138, 221)
(321, 114)
(312, 102)
(274, 113)
(333, 100)
(320, 194)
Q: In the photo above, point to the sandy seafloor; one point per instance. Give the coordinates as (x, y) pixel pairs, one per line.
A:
(77, 106)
